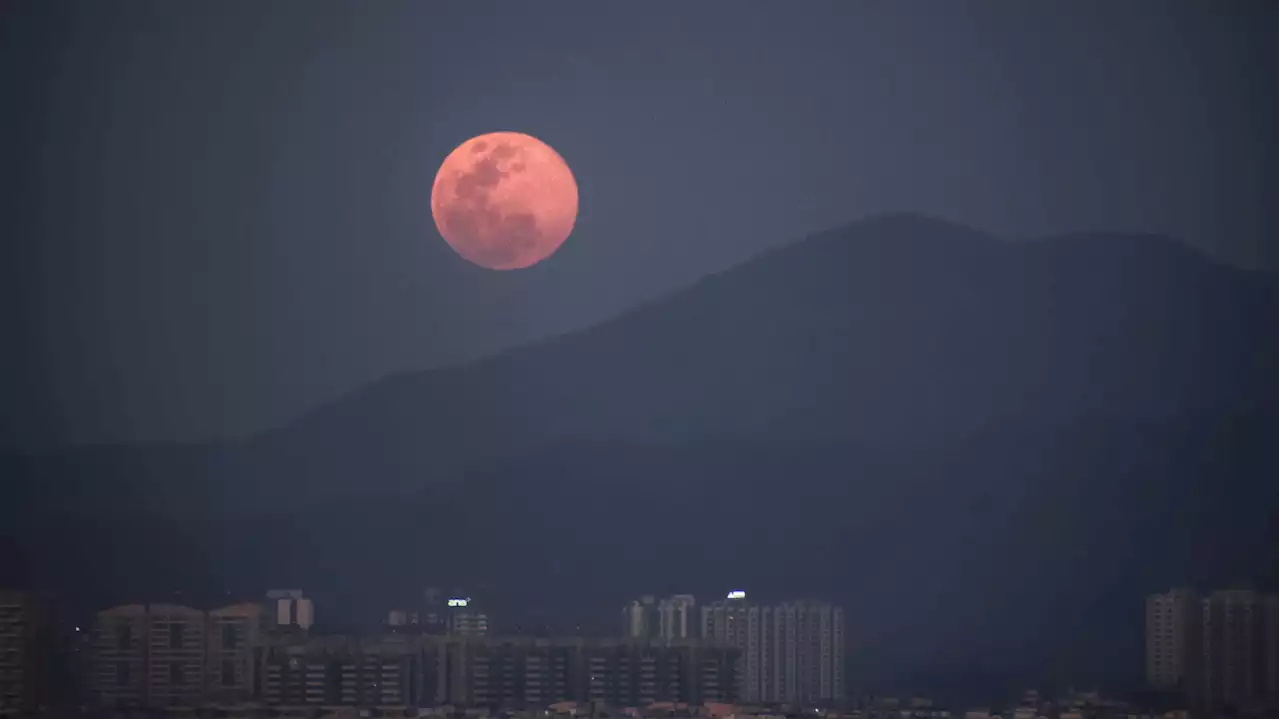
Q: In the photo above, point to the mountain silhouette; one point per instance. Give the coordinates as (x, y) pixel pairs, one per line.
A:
(894, 329)
(987, 450)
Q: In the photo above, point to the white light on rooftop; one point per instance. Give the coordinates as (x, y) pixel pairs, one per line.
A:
(737, 594)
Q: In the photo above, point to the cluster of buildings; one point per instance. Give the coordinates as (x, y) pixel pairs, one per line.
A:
(791, 652)
(434, 653)
(162, 655)
(439, 612)
(1216, 652)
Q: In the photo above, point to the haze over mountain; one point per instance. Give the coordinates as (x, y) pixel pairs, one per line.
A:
(1036, 424)
(835, 337)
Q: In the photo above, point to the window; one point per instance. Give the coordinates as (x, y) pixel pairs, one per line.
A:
(229, 636)
(124, 636)
(175, 674)
(175, 636)
(122, 674)
(228, 673)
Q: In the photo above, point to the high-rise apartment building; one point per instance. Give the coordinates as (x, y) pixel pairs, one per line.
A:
(345, 671)
(433, 670)
(636, 673)
(1238, 657)
(175, 655)
(1173, 636)
(234, 646)
(736, 623)
(1270, 638)
(619, 672)
(791, 652)
(290, 609)
(119, 647)
(512, 673)
(169, 655)
(676, 617)
(440, 614)
(464, 618)
(669, 618)
(1219, 650)
(26, 648)
(640, 618)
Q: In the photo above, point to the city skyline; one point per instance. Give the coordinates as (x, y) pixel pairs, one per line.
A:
(1203, 650)
(170, 655)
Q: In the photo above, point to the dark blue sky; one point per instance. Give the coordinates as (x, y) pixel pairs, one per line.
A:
(216, 215)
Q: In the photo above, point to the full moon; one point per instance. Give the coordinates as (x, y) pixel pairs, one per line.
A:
(504, 200)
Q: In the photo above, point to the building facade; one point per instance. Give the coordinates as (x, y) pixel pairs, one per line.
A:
(234, 654)
(291, 609)
(170, 655)
(531, 673)
(175, 661)
(439, 614)
(1217, 651)
(793, 652)
(26, 649)
(640, 618)
(1271, 657)
(464, 618)
(518, 673)
(1237, 654)
(671, 618)
(677, 618)
(1173, 632)
(118, 675)
(344, 671)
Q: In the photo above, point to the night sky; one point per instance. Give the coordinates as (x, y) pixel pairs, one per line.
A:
(217, 215)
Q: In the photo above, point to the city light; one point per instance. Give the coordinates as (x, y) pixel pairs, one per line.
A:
(737, 594)
(459, 602)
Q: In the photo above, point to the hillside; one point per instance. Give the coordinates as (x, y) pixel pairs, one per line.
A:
(898, 330)
(987, 451)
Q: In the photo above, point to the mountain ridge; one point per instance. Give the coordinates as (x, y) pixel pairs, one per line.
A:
(1058, 244)
(800, 323)
(892, 414)
(828, 323)
(1078, 246)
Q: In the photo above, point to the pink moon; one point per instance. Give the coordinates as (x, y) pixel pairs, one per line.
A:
(504, 200)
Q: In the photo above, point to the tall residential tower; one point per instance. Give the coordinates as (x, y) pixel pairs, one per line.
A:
(792, 652)
(669, 618)
(1174, 621)
(1218, 651)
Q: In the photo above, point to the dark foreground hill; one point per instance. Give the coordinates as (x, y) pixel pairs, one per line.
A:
(987, 451)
